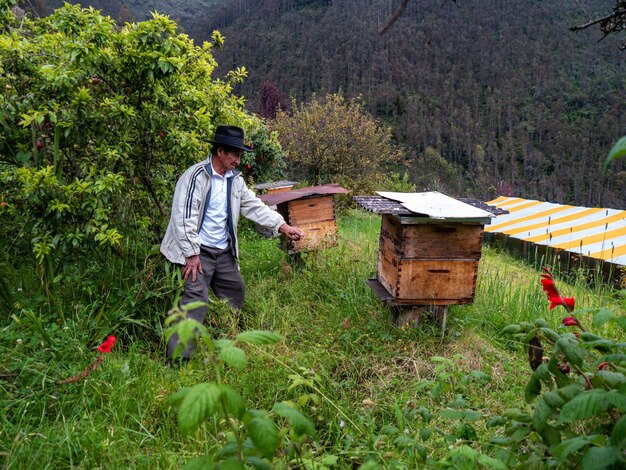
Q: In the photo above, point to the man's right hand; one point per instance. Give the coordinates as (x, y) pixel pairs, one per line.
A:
(192, 266)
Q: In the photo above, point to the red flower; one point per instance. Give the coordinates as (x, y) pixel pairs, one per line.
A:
(3, 204)
(107, 345)
(603, 365)
(554, 296)
(570, 321)
(567, 302)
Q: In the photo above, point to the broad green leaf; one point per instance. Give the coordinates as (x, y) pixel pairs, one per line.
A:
(511, 329)
(199, 463)
(570, 391)
(621, 322)
(234, 357)
(232, 464)
(602, 316)
(612, 379)
(553, 399)
(565, 448)
(496, 421)
(258, 337)
(465, 452)
(264, 434)
(614, 358)
(233, 402)
(533, 388)
(176, 399)
(617, 398)
(490, 462)
(193, 305)
(618, 151)
(200, 402)
(425, 433)
(585, 405)
(571, 348)
(298, 422)
(597, 458)
(618, 435)
(551, 436)
(258, 463)
(541, 414)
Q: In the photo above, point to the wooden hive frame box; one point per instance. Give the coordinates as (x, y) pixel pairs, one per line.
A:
(425, 263)
(311, 209)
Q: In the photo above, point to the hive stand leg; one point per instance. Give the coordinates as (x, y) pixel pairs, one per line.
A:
(439, 313)
(407, 316)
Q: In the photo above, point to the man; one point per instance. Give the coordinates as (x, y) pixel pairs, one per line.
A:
(202, 232)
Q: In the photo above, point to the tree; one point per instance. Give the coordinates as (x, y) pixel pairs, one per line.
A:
(333, 140)
(98, 122)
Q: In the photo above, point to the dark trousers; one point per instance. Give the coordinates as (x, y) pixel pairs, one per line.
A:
(220, 273)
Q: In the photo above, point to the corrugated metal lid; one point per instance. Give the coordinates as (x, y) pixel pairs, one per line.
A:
(279, 198)
(438, 206)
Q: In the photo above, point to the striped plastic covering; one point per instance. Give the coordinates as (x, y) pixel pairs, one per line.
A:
(593, 232)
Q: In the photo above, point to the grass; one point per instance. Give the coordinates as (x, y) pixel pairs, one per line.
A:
(365, 378)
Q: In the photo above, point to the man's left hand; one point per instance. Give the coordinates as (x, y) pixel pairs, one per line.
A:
(292, 232)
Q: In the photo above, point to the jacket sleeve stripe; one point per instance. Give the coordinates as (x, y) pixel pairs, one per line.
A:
(190, 190)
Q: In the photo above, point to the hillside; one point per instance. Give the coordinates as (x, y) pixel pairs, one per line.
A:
(520, 104)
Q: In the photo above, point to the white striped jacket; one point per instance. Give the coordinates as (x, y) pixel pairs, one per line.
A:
(182, 238)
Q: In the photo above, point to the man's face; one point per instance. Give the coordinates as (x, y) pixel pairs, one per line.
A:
(230, 159)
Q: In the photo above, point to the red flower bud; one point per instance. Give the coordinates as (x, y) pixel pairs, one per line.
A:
(3, 204)
(39, 144)
(570, 321)
(107, 345)
(603, 365)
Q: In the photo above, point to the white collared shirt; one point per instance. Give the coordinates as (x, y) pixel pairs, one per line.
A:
(214, 230)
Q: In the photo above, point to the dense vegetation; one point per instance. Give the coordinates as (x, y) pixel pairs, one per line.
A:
(98, 120)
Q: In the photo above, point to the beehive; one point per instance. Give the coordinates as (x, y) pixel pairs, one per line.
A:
(426, 263)
(426, 259)
(311, 209)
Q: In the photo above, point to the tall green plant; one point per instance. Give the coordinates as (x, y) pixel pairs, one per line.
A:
(253, 436)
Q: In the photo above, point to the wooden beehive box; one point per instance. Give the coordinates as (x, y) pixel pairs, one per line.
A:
(426, 263)
(312, 210)
(426, 259)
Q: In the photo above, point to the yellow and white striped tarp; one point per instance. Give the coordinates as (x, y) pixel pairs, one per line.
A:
(593, 232)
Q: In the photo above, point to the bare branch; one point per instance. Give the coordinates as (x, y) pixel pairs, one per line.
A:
(394, 17)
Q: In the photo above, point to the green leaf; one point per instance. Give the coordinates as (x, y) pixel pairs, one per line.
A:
(490, 462)
(258, 463)
(511, 330)
(233, 402)
(553, 399)
(258, 337)
(370, 465)
(298, 422)
(618, 151)
(234, 357)
(617, 398)
(570, 391)
(541, 414)
(571, 348)
(621, 322)
(425, 433)
(264, 435)
(618, 435)
(585, 405)
(176, 399)
(200, 402)
(232, 464)
(565, 448)
(602, 316)
(496, 421)
(600, 457)
(612, 379)
(551, 436)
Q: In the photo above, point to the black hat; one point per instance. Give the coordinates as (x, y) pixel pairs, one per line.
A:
(230, 136)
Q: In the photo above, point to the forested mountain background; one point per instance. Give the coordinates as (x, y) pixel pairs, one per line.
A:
(502, 90)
